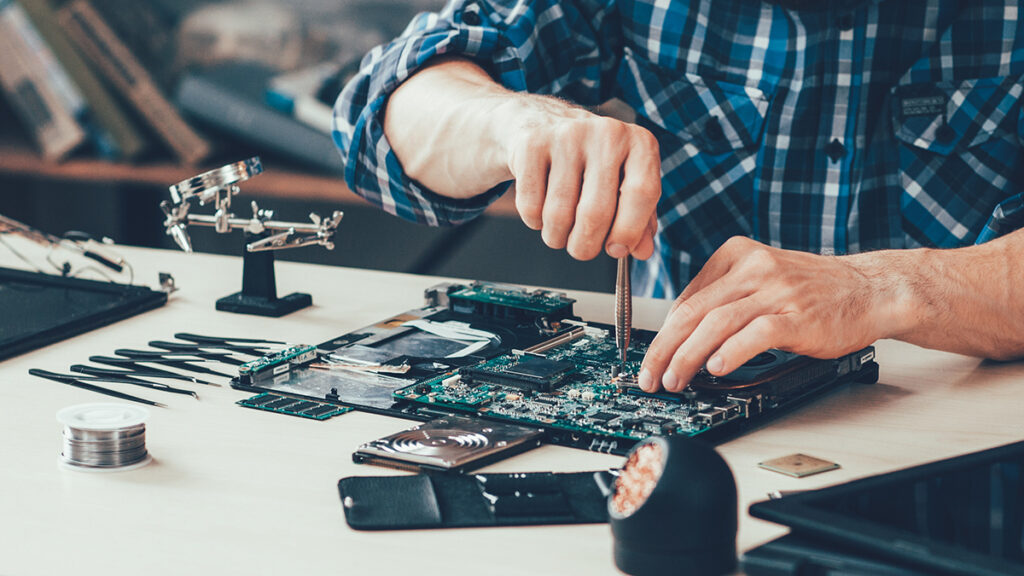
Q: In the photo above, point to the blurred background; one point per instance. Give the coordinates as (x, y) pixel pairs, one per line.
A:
(105, 103)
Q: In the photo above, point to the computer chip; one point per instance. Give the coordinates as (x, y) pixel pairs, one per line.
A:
(798, 465)
(528, 372)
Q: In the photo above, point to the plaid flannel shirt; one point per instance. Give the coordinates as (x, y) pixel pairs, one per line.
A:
(894, 124)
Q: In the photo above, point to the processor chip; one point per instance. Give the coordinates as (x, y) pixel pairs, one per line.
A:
(798, 465)
(541, 368)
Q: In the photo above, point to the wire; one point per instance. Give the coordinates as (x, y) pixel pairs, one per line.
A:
(20, 256)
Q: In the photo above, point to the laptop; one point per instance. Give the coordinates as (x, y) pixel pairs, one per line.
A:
(963, 516)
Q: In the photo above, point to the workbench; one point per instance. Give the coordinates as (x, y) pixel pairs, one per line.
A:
(238, 491)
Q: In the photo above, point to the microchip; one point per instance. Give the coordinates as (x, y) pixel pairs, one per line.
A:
(322, 409)
(634, 423)
(281, 403)
(528, 373)
(541, 368)
(603, 417)
(798, 465)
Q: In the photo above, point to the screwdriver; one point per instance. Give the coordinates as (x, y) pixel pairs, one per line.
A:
(623, 310)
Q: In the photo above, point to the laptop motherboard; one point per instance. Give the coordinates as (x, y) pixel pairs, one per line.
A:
(504, 353)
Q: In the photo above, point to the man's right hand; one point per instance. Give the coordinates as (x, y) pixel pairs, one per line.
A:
(585, 181)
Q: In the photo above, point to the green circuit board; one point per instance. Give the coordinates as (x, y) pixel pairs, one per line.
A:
(579, 388)
(542, 367)
(480, 298)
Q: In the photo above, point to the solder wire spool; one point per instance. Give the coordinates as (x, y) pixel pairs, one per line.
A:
(103, 437)
(674, 510)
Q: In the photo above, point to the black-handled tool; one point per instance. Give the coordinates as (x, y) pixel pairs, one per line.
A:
(104, 375)
(210, 352)
(77, 383)
(218, 340)
(174, 359)
(135, 368)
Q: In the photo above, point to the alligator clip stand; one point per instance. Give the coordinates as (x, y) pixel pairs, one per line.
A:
(263, 235)
(259, 287)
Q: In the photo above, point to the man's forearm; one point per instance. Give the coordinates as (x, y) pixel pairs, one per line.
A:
(967, 300)
(442, 126)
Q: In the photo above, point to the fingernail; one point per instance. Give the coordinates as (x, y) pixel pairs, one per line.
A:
(669, 381)
(617, 251)
(716, 364)
(646, 381)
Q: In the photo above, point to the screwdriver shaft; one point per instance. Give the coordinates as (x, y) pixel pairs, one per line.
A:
(623, 310)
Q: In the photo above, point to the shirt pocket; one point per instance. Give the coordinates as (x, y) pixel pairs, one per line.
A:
(944, 116)
(715, 116)
(957, 153)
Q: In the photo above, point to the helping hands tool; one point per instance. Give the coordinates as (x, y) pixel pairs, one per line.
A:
(263, 235)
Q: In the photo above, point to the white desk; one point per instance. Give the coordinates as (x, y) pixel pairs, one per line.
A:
(236, 491)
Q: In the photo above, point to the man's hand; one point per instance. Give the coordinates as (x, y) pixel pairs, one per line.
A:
(587, 182)
(750, 297)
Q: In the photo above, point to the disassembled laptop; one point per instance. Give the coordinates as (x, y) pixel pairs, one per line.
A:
(498, 353)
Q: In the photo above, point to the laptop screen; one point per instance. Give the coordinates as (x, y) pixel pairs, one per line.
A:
(38, 309)
(962, 515)
(978, 508)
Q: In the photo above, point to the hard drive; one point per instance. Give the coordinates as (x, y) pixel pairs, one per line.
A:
(449, 444)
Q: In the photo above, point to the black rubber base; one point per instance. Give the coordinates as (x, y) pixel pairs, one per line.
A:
(241, 304)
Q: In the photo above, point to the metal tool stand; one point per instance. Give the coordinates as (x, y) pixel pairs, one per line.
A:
(263, 235)
(259, 287)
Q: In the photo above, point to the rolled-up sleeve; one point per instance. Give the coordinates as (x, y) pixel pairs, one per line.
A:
(568, 49)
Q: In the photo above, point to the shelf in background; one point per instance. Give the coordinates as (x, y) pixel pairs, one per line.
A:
(20, 160)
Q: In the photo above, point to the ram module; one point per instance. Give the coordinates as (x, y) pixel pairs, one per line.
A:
(293, 406)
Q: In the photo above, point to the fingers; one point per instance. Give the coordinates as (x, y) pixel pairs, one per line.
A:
(588, 183)
(638, 198)
(716, 327)
(596, 209)
(645, 249)
(530, 170)
(678, 327)
(764, 332)
(563, 193)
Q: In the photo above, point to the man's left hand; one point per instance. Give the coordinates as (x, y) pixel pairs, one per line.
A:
(750, 297)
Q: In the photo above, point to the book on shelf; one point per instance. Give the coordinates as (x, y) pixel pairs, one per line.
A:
(230, 98)
(36, 87)
(295, 93)
(122, 70)
(309, 94)
(127, 137)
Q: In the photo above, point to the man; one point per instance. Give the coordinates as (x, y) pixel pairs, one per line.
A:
(782, 150)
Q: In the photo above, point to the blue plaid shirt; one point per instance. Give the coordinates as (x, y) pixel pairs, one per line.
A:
(894, 125)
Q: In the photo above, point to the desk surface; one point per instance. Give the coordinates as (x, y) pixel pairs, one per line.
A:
(234, 491)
